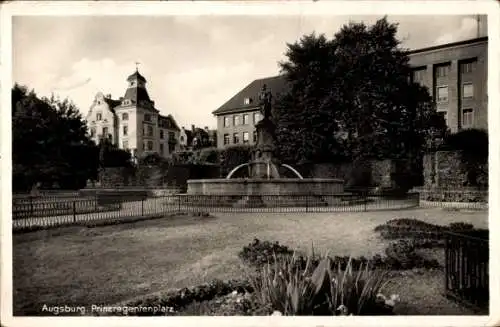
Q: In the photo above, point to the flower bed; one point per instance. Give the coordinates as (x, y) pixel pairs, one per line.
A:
(176, 300)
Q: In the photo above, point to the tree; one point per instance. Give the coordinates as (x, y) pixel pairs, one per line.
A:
(50, 143)
(112, 156)
(351, 98)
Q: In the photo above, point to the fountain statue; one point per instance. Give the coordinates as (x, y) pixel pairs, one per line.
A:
(264, 177)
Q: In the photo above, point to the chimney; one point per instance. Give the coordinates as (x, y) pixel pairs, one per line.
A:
(192, 127)
(108, 96)
(206, 128)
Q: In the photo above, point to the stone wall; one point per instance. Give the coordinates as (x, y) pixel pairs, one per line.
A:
(381, 173)
(444, 169)
(154, 177)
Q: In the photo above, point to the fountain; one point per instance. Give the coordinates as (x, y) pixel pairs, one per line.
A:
(265, 186)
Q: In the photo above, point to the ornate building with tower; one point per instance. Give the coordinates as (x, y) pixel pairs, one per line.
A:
(133, 122)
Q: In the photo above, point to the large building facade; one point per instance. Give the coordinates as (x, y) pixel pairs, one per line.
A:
(454, 73)
(236, 118)
(132, 122)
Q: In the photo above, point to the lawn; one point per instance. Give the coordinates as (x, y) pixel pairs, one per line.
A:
(107, 265)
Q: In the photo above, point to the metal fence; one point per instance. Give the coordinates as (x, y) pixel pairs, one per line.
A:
(467, 268)
(36, 212)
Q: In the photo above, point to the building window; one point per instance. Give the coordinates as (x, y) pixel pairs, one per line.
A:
(444, 114)
(467, 90)
(98, 116)
(418, 75)
(254, 136)
(468, 67)
(171, 147)
(125, 145)
(92, 132)
(150, 130)
(226, 121)
(125, 130)
(143, 146)
(245, 119)
(442, 70)
(150, 145)
(248, 101)
(236, 120)
(442, 94)
(226, 139)
(236, 138)
(105, 131)
(125, 116)
(467, 118)
(256, 117)
(161, 148)
(147, 117)
(171, 135)
(161, 134)
(246, 137)
(182, 138)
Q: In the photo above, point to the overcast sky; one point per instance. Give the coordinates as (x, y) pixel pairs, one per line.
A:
(192, 64)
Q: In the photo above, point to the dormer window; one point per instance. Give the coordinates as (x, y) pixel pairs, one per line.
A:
(125, 116)
(99, 102)
(248, 101)
(98, 116)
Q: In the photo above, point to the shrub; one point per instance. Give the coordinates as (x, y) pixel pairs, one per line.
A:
(460, 226)
(233, 156)
(402, 253)
(259, 253)
(422, 233)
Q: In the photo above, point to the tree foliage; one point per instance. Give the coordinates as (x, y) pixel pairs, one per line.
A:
(50, 144)
(350, 98)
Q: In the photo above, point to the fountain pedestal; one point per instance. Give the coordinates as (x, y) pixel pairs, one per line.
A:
(264, 164)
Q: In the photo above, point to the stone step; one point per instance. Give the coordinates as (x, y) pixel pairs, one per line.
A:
(263, 201)
(284, 201)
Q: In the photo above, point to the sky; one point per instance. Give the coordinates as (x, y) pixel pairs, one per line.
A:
(193, 64)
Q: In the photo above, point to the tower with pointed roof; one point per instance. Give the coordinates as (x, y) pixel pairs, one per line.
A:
(133, 122)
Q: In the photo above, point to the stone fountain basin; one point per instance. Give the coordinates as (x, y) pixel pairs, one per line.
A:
(264, 186)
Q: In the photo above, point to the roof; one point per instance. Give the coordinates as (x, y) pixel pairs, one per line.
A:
(449, 45)
(112, 104)
(168, 122)
(137, 94)
(277, 84)
(136, 76)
